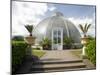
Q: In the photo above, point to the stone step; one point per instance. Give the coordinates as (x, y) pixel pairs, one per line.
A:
(57, 61)
(56, 66)
(58, 70)
(62, 70)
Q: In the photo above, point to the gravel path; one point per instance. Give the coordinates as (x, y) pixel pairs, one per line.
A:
(61, 54)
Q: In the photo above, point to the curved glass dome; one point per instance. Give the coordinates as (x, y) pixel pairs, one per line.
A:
(57, 20)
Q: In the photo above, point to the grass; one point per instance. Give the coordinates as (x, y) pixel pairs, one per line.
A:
(77, 52)
(38, 53)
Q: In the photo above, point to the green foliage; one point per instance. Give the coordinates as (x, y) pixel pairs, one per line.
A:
(91, 51)
(67, 42)
(18, 53)
(38, 53)
(29, 28)
(18, 38)
(90, 37)
(46, 43)
(37, 48)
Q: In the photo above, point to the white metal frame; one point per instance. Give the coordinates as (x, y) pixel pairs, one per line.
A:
(59, 47)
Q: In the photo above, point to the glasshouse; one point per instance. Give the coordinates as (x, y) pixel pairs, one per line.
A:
(52, 37)
(58, 30)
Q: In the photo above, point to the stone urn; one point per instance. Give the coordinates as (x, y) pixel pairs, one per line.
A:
(30, 40)
(84, 42)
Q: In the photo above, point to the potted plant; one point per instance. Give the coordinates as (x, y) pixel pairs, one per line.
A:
(46, 43)
(84, 39)
(67, 43)
(30, 39)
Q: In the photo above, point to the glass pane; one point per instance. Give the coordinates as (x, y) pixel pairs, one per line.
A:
(55, 32)
(55, 40)
(59, 40)
(59, 32)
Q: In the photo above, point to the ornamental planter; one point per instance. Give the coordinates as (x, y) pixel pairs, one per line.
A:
(84, 42)
(30, 40)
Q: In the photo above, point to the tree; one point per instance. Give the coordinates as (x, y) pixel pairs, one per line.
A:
(29, 28)
(85, 28)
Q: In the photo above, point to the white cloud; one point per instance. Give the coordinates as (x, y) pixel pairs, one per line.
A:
(26, 13)
(52, 8)
(31, 13)
(82, 21)
(78, 21)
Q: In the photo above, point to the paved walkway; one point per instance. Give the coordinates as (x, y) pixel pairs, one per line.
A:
(59, 55)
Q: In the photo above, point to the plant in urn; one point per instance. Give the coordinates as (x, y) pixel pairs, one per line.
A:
(84, 39)
(29, 39)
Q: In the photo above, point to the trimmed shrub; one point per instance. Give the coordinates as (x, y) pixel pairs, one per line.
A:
(18, 53)
(18, 38)
(91, 51)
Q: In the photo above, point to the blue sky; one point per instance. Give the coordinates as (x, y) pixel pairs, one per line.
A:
(75, 10)
(32, 13)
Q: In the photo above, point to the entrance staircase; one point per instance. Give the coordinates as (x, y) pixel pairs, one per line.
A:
(57, 61)
(57, 65)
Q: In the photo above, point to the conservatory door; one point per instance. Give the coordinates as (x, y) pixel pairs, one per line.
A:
(57, 39)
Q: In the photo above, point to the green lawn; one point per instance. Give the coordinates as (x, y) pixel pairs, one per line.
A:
(77, 52)
(38, 53)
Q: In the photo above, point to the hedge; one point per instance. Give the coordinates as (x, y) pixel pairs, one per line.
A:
(18, 38)
(91, 51)
(18, 53)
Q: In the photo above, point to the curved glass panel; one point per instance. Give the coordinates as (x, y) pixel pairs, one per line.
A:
(45, 27)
